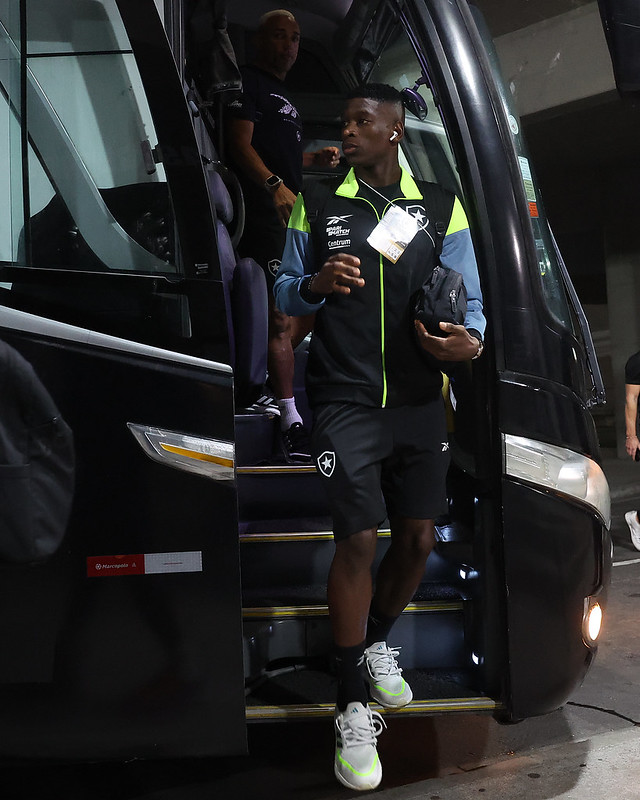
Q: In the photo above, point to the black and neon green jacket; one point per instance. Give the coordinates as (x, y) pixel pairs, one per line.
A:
(363, 349)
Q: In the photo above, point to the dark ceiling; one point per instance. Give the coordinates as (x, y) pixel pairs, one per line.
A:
(504, 16)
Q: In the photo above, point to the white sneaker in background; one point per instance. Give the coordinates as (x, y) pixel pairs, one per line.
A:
(634, 526)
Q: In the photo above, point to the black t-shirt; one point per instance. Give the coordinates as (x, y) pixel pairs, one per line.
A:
(632, 370)
(380, 196)
(277, 132)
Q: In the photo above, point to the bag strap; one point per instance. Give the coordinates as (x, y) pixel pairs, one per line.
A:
(316, 194)
(439, 204)
(441, 229)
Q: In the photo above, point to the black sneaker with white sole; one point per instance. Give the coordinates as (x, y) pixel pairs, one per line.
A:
(296, 445)
(265, 404)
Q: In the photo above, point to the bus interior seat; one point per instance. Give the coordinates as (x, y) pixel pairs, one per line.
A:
(245, 291)
(245, 294)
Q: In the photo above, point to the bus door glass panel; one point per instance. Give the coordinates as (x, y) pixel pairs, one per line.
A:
(11, 196)
(426, 152)
(548, 267)
(97, 199)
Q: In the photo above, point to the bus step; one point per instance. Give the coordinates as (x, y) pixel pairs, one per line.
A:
(296, 574)
(309, 543)
(429, 634)
(305, 693)
(315, 594)
(277, 491)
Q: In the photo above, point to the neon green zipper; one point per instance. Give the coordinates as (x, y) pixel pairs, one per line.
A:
(382, 342)
(348, 188)
(383, 354)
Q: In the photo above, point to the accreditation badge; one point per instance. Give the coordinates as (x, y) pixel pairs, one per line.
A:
(392, 234)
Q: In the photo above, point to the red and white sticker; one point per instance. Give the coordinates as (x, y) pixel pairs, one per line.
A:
(144, 564)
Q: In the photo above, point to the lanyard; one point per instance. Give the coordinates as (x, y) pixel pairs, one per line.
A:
(373, 189)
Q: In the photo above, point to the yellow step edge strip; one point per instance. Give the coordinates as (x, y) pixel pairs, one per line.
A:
(276, 470)
(269, 612)
(416, 707)
(297, 536)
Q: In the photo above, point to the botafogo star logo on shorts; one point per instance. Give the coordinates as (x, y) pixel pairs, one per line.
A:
(327, 463)
(274, 266)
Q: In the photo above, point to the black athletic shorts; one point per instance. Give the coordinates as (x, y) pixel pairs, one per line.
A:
(377, 463)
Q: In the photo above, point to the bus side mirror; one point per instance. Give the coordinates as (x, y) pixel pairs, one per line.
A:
(414, 102)
(621, 22)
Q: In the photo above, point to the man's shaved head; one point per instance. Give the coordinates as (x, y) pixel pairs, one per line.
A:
(381, 93)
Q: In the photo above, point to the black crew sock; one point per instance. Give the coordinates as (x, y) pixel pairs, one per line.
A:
(378, 626)
(351, 684)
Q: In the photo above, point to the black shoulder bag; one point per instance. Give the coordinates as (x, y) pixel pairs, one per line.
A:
(443, 295)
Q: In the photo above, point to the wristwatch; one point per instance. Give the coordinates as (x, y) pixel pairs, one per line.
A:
(273, 183)
(479, 350)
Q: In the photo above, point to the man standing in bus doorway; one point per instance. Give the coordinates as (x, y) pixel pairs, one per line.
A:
(631, 392)
(379, 433)
(264, 138)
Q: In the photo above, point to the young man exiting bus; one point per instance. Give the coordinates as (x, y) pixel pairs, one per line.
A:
(379, 435)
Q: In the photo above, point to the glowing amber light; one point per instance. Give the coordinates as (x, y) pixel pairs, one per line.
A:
(593, 623)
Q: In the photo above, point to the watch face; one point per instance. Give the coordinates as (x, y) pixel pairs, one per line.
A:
(273, 181)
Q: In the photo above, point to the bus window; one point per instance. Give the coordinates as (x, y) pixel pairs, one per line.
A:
(548, 266)
(11, 200)
(427, 152)
(92, 195)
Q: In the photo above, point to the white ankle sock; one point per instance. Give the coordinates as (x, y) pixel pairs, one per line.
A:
(288, 413)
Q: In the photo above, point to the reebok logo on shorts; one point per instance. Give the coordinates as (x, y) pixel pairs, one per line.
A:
(445, 446)
(327, 463)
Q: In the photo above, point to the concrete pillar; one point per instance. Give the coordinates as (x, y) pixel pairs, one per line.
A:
(560, 60)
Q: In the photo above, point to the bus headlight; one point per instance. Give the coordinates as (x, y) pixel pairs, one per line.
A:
(559, 469)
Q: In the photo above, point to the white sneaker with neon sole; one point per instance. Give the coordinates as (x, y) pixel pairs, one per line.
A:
(357, 765)
(386, 683)
(634, 527)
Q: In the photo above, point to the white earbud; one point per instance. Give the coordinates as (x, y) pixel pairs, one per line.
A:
(393, 136)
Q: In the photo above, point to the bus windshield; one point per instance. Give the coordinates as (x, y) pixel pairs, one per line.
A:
(549, 267)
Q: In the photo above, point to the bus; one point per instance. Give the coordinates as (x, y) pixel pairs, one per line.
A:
(163, 569)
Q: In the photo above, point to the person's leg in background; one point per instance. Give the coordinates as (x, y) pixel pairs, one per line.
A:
(285, 333)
